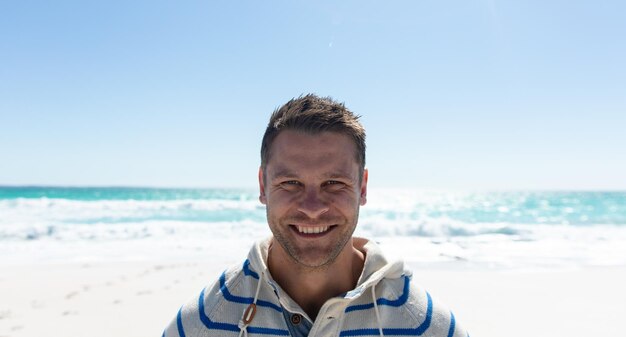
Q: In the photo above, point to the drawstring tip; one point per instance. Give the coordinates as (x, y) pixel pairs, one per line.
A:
(248, 315)
(246, 319)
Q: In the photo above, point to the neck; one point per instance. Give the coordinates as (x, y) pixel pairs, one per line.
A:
(311, 287)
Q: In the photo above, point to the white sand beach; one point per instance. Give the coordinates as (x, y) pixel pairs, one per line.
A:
(138, 298)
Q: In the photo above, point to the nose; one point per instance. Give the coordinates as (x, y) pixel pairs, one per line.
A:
(312, 204)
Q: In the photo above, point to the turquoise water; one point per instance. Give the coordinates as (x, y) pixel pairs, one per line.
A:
(514, 207)
(119, 193)
(512, 228)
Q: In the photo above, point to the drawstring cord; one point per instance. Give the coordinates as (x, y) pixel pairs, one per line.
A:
(248, 314)
(380, 326)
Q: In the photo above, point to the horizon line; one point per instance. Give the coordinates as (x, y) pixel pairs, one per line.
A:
(425, 189)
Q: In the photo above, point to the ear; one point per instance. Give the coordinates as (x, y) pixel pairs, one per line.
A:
(262, 197)
(364, 187)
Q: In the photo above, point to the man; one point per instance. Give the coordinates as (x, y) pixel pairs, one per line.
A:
(312, 278)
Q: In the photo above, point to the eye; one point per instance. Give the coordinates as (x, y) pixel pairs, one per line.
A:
(334, 184)
(290, 184)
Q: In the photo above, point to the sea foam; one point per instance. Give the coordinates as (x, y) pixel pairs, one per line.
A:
(504, 229)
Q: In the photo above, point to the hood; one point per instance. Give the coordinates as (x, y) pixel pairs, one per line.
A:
(375, 268)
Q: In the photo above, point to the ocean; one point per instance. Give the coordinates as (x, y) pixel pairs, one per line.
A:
(498, 230)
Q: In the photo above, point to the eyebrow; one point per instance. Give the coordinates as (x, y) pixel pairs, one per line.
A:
(282, 173)
(286, 173)
(337, 175)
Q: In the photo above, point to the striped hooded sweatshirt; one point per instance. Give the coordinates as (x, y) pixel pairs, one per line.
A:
(246, 301)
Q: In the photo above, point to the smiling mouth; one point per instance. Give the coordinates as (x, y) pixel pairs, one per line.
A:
(312, 229)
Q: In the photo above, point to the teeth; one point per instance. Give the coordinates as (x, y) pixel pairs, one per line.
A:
(312, 230)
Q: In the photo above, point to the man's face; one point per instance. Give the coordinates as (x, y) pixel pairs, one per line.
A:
(312, 192)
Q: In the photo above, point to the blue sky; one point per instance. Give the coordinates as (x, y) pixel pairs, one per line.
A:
(454, 94)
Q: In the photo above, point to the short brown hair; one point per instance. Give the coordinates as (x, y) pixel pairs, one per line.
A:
(314, 114)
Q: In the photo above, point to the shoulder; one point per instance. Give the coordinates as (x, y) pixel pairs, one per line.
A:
(435, 316)
(218, 309)
(400, 308)
(206, 311)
